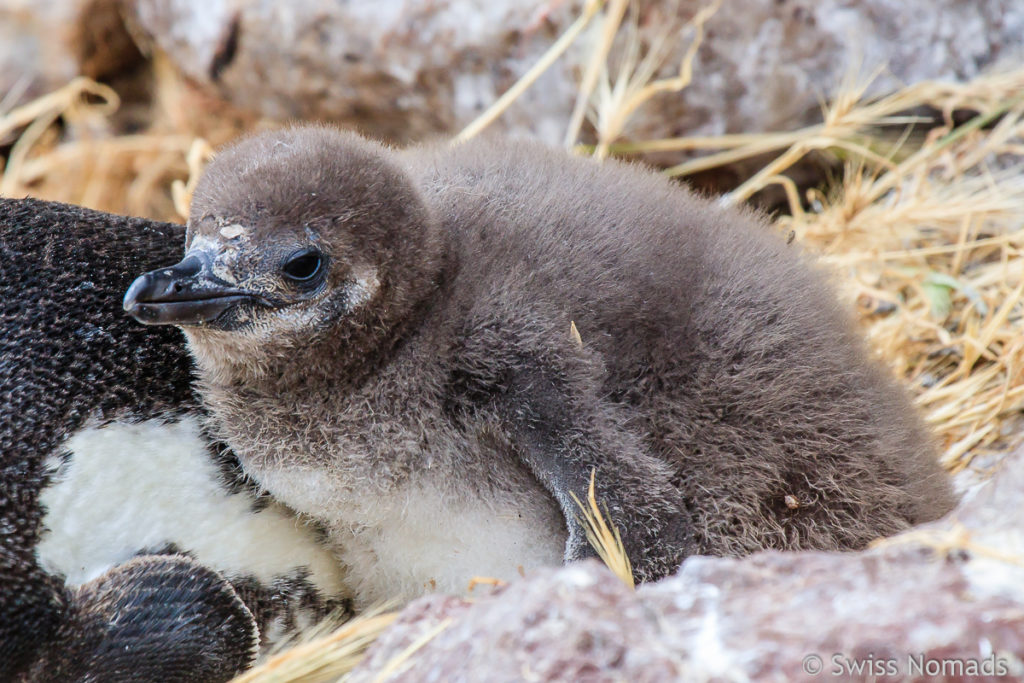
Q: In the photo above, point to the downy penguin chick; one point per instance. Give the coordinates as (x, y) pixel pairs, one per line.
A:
(384, 339)
(103, 458)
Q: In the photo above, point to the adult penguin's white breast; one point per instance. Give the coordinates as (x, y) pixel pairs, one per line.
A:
(124, 488)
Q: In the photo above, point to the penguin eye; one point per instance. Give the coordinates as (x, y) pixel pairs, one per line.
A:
(303, 266)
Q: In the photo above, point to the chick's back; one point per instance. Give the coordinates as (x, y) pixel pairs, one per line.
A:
(735, 360)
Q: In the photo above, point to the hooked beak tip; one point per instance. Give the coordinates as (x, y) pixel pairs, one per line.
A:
(131, 297)
(184, 294)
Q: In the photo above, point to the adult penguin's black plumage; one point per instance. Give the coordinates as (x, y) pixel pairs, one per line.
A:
(384, 338)
(103, 459)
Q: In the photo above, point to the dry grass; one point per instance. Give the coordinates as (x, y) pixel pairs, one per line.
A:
(67, 147)
(923, 233)
(89, 165)
(322, 656)
(604, 538)
(928, 249)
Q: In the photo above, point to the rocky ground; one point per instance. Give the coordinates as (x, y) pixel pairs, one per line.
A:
(404, 71)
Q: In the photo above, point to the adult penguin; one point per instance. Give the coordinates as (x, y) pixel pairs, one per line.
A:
(113, 500)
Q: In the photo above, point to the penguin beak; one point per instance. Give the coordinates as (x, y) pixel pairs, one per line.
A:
(184, 294)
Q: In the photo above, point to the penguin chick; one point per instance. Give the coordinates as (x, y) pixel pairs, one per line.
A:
(384, 339)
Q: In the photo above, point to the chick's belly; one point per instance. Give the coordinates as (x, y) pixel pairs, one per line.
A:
(434, 544)
(428, 537)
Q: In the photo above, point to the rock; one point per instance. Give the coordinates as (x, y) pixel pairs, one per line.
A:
(946, 599)
(405, 71)
(395, 69)
(43, 45)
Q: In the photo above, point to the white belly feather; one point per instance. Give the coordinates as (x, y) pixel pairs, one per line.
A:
(132, 487)
(420, 540)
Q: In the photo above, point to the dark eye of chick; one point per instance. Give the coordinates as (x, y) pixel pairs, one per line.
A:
(303, 266)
